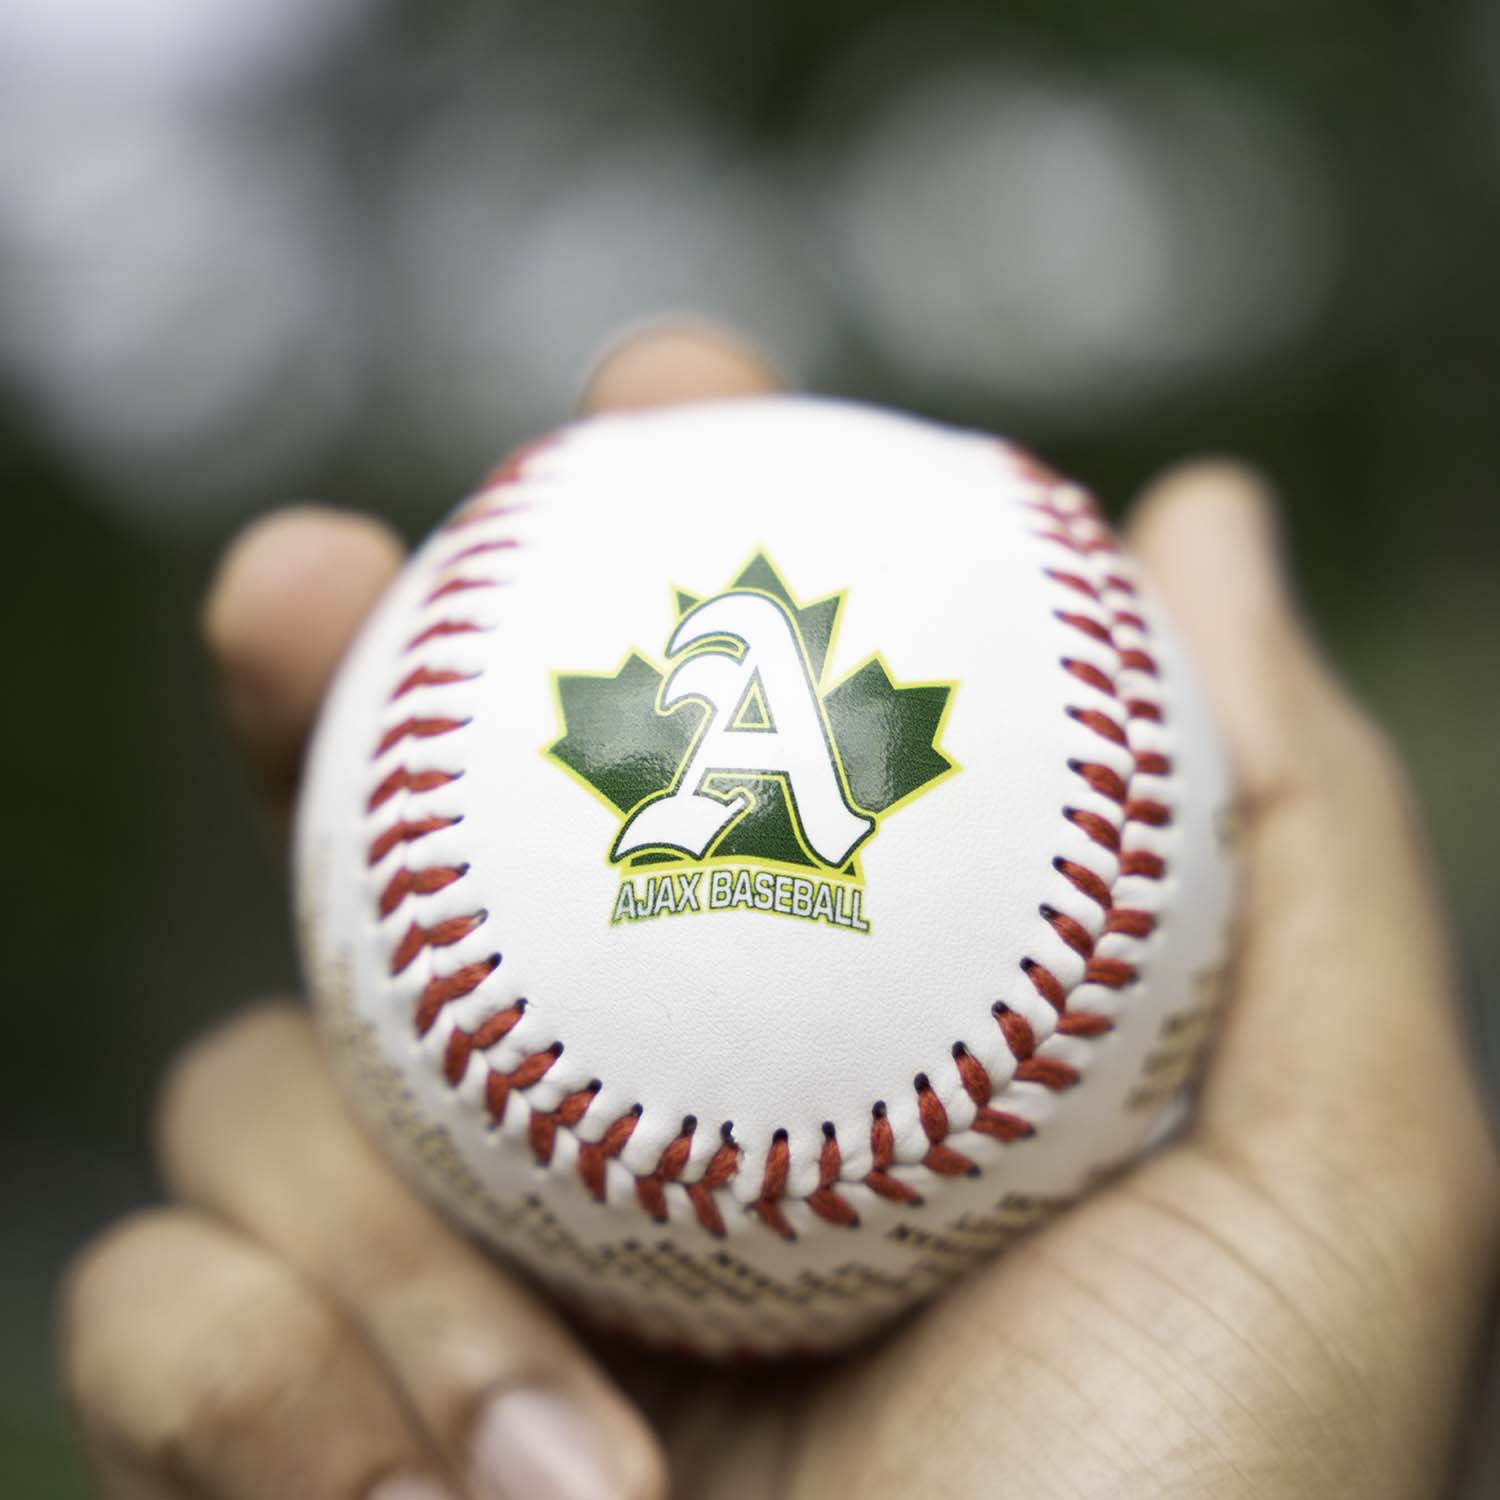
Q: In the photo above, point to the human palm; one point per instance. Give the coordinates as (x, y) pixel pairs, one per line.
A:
(1179, 1334)
(1287, 1301)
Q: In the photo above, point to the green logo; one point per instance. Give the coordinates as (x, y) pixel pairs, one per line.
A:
(740, 777)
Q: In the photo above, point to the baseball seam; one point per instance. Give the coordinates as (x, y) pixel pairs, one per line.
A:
(1091, 937)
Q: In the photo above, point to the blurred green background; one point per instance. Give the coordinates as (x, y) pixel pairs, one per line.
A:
(354, 250)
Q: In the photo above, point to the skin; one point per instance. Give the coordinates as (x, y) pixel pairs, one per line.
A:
(1292, 1300)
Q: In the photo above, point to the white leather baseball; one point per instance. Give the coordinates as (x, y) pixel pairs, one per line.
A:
(758, 858)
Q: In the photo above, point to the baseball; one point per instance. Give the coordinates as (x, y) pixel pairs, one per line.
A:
(759, 859)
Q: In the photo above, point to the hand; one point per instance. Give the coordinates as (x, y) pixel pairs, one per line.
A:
(1289, 1301)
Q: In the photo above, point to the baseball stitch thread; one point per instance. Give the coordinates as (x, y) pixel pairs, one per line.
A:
(1096, 599)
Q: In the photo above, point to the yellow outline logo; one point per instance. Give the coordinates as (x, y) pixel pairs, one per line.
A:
(740, 780)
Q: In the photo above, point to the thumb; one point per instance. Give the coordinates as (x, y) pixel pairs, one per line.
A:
(1343, 1051)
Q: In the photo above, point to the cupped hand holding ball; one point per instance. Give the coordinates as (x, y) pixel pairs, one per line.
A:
(1289, 1299)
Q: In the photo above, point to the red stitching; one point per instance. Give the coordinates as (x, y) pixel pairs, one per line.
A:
(497, 1027)
(1072, 932)
(1084, 1023)
(544, 1124)
(1100, 830)
(402, 780)
(1050, 1072)
(1112, 973)
(1136, 924)
(1074, 582)
(426, 882)
(1015, 1028)
(443, 628)
(1083, 879)
(1102, 725)
(593, 1156)
(773, 1186)
(825, 1200)
(439, 935)
(459, 586)
(513, 466)
(420, 677)
(1096, 630)
(416, 729)
(722, 1166)
(883, 1151)
(1073, 526)
(479, 549)
(405, 833)
(1105, 782)
(941, 1157)
(443, 988)
(980, 1087)
(1086, 672)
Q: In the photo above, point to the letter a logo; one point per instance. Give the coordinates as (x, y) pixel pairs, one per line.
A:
(740, 657)
(734, 751)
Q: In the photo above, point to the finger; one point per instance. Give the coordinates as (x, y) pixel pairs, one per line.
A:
(667, 363)
(201, 1367)
(283, 607)
(292, 590)
(505, 1392)
(1343, 1046)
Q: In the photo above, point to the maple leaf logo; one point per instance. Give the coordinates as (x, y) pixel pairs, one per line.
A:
(733, 752)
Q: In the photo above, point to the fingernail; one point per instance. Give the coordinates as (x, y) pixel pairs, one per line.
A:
(662, 362)
(407, 1487)
(537, 1445)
